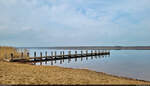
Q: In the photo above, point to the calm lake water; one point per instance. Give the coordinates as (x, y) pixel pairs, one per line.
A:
(127, 63)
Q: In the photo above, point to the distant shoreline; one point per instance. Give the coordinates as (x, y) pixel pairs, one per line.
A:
(91, 47)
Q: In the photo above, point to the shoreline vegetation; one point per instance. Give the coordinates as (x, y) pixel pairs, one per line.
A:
(12, 73)
(5, 53)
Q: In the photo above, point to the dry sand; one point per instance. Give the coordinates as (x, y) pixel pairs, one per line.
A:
(17, 73)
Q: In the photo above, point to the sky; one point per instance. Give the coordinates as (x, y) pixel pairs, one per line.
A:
(74, 22)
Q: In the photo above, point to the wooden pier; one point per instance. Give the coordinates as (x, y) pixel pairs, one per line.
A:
(58, 56)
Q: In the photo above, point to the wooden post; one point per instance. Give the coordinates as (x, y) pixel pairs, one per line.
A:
(41, 55)
(28, 55)
(109, 52)
(63, 53)
(75, 56)
(91, 52)
(55, 54)
(60, 57)
(86, 52)
(21, 54)
(34, 56)
(52, 55)
(11, 56)
(60, 53)
(81, 53)
(69, 53)
(75, 53)
(46, 55)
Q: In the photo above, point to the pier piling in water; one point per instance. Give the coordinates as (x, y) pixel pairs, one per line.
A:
(41, 55)
(46, 55)
(81, 53)
(75, 53)
(63, 53)
(51, 54)
(86, 52)
(34, 56)
(91, 52)
(22, 55)
(61, 56)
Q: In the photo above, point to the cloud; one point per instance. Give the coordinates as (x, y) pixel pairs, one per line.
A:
(69, 22)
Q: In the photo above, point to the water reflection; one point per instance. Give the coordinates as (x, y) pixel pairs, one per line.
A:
(69, 60)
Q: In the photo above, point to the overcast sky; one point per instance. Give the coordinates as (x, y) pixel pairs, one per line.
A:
(74, 22)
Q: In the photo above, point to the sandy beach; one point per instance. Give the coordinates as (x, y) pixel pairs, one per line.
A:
(18, 73)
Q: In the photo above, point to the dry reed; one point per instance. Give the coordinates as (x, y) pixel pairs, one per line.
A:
(6, 51)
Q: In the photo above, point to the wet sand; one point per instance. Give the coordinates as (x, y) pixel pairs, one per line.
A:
(18, 73)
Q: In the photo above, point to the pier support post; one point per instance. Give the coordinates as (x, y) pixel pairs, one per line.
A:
(55, 56)
(69, 53)
(34, 56)
(75, 53)
(41, 55)
(61, 57)
(28, 55)
(21, 54)
(11, 56)
(86, 52)
(91, 52)
(46, 55)
(75, 56)
(51, 54)
(81, 53)
(63, 53)
(60, 53)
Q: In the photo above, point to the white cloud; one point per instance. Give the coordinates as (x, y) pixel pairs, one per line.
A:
(80, 21)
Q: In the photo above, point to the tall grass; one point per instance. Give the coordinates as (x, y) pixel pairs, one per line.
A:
(5, 52)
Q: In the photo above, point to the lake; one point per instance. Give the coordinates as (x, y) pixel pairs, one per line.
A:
(127, 63)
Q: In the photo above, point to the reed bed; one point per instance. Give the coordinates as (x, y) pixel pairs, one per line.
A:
(6, 51)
